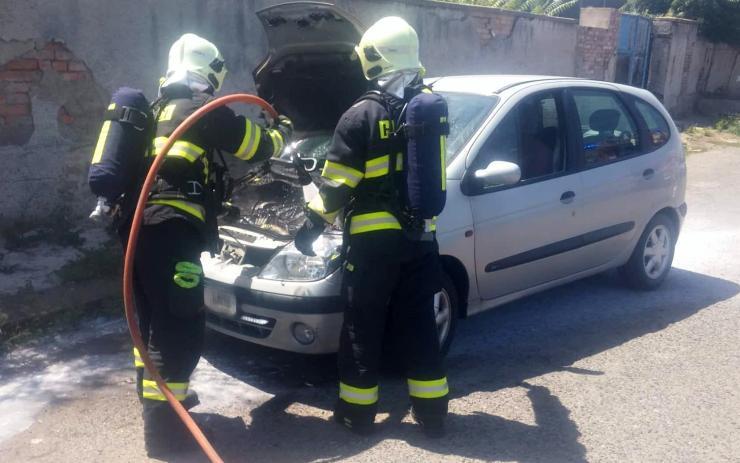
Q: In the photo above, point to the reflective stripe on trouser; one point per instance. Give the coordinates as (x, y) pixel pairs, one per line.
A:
(139, 367)
(196, 210)
(358, 395)
(362, 223)
(433, 389)
(171, 319)
(152, 391)
(389, 287)
(180, 149)
(138, 362)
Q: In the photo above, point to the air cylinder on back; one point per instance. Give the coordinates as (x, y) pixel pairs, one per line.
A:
(427, 129)
(122, 144)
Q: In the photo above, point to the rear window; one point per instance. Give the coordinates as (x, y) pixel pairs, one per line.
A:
(609, 132)
(658, 129)
(466, 114)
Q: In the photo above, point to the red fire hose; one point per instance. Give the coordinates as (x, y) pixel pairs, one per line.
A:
(128, 268)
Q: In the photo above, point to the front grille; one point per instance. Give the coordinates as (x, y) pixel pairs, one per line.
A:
(243, 328)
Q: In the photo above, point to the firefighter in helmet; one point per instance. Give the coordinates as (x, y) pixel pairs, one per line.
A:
(180, 223)
(392, 268)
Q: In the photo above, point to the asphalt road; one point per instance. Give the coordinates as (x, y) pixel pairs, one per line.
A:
(587, 372)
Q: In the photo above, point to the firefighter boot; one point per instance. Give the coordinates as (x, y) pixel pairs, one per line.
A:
(359, 423)
(165, 436)
(433, 426)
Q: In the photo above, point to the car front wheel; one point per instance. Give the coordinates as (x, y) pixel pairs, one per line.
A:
(652, 258)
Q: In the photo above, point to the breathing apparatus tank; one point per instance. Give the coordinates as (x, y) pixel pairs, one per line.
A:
(426, 129)
(118, 160)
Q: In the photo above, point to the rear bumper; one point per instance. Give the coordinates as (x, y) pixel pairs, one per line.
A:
(269, 319)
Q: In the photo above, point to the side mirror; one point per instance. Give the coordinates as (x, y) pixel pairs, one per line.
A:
(499, 173)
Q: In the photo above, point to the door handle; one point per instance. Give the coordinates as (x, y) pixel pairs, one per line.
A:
(647, 174)
(567, 197)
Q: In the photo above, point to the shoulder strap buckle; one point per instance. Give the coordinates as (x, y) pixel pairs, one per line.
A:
(128, 115)
(134, 117)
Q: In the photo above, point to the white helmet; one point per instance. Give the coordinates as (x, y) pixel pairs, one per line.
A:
(199, 56)
(390, 45)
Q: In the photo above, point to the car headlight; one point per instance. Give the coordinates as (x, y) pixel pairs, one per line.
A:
(290, 264)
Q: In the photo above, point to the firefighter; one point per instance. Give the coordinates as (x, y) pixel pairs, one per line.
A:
(392, 266)
(179, 223)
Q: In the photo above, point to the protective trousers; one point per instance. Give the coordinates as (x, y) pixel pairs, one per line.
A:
(389, 285)
(168, 285)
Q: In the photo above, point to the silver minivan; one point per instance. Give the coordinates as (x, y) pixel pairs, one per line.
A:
(550, 179)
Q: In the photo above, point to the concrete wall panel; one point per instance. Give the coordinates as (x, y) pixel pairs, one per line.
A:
(126, 43)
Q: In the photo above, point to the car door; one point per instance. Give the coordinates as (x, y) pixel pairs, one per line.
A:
(523, 231)
(616, 177)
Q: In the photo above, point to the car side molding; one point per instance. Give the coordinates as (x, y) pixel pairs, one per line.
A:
(560, 247)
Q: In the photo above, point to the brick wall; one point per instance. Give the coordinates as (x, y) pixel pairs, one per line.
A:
(596, 43)
(20, 76)
(493, 27)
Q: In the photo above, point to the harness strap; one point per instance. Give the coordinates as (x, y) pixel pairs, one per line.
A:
(127, 115)
(417, 130)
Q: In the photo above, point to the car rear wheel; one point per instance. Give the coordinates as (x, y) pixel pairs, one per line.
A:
(446, 311)
(652, 258)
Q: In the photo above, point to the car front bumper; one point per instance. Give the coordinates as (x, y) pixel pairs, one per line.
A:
(271, 313)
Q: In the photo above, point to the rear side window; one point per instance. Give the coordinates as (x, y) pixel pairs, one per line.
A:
(658, 129)
(609, 132)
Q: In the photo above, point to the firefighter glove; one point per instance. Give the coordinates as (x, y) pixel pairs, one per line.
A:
(285, 126)
(311, 229)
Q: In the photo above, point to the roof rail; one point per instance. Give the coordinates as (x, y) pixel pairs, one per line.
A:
(544, 79)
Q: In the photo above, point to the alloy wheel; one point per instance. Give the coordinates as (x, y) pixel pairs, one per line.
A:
(657, 252)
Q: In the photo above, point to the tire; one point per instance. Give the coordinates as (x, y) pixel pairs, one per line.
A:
(446, 309)
(392, 356)
(652, 257)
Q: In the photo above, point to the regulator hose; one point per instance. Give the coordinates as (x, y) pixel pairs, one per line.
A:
(128, 267)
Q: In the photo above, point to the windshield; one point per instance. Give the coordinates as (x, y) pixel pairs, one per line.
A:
(466, 113)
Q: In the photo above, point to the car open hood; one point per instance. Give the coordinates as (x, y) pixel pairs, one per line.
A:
(311, 73)
(270, 199)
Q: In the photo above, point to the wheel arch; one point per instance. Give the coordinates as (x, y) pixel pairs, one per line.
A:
(672, 214)
(456, 270)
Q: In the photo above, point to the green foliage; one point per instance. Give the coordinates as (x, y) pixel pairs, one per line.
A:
(565, 8)
(719, 19)
(559, 8)
(652, 7)
(729, 123)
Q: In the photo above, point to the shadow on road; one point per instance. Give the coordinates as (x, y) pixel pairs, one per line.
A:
(503, 348)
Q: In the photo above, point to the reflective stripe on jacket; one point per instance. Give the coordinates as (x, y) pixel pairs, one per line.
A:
(363, 156)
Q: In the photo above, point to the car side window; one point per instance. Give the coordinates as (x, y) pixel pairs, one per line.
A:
(531, 135)
(658, 128)
(609, 132)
